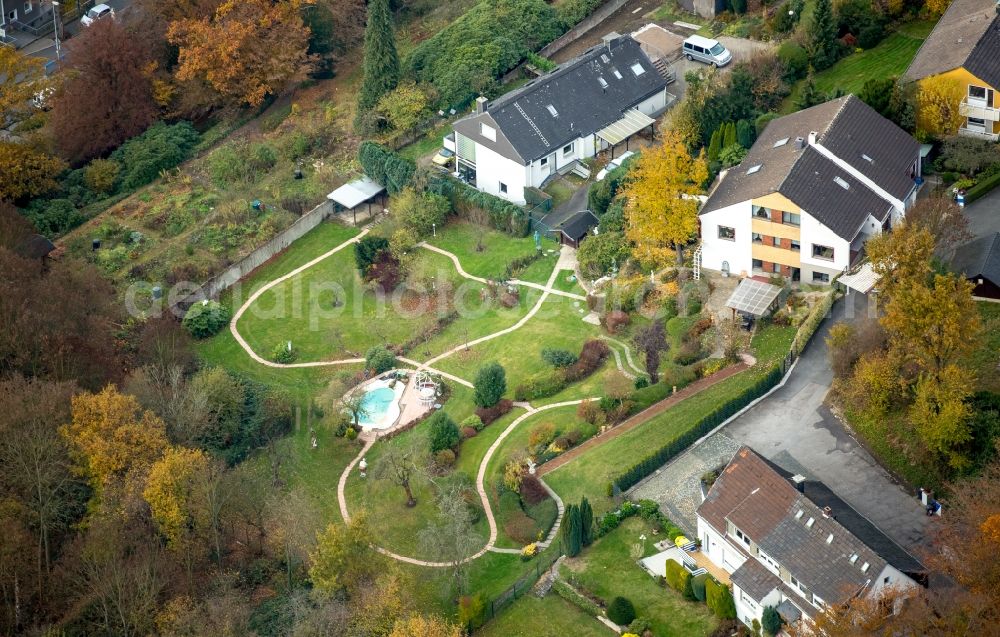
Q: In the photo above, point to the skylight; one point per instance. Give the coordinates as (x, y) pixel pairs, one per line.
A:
(603, 82)
(617, 74)
(637, 69)
(780, 142)
(864, 569)
(840, 182)
(754, 169)
(867, 158)
(605, 58)
(798, 516)
(854, 558)
(810, 522)
(552, 110)
(829, 539)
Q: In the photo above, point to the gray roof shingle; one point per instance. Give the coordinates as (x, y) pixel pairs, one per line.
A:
(582, 104)
(964, 28)
(754, 578)
(853, 132)
(979, 258)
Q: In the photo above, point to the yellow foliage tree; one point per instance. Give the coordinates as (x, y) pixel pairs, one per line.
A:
(937, 7)
(938, 98)
(21, 78)
(940, 413)
(25, 172)
(343, 557)
(113, 439)
(247, 51)
(425, 626)
(173, 492)
(661, 211)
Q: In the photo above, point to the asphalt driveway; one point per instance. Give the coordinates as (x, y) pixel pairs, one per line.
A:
(794, 428)
(984, 214)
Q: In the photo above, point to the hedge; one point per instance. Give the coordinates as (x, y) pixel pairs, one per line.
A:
(570, 594)
(503, 215)
(386, 167)
(812, 323)
(983, 186)
(633, 475)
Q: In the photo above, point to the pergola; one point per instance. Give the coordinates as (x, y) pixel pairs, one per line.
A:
(753, 297)
(632, 122)
(353, 194)
(862, 281)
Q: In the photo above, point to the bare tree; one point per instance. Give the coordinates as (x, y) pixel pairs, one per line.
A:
(946, 222)
(652, 340)
(402, 463)
(451, 538)
(292, 522)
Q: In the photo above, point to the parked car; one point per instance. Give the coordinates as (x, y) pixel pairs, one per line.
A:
(97, 12)
(707, 51)
(614, 163)
(443, 158)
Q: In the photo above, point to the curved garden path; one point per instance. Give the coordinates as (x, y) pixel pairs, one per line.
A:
(567, 262)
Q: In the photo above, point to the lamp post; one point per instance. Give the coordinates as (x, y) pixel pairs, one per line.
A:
(55, 29)
(643, 538)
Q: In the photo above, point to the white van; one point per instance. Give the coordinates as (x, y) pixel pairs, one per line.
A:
(707, 51)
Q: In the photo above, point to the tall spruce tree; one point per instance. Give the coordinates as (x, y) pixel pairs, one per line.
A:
(571, 530)
(381, 64)
(730, 136)
(586, 522)
(715, 145)
(823, 36)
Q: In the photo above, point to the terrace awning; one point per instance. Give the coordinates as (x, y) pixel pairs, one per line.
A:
(356, 192)
(862, 281)
(753, 297)
(631, 123)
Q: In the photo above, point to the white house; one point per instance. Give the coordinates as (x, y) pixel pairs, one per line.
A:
(813, 188)
(588, 104)
(791, 543)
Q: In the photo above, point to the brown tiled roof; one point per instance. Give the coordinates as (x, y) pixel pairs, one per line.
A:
(954, 38)
(754, 579)
(747, 480)
(853, 132)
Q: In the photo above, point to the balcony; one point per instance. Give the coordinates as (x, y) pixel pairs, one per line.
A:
(978, 133)
(978, 110)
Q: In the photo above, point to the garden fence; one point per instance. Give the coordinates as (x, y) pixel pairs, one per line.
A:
(524, 584)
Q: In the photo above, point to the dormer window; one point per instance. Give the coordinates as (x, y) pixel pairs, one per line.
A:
(742, 536)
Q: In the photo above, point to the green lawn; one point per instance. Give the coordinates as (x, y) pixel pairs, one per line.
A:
(889, 58)
(986, 358)
(564, 284)
(530, 616)
(485, 252)
(608, 569)
(590, 474)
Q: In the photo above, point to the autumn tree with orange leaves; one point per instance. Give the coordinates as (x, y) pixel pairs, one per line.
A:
(248, 50)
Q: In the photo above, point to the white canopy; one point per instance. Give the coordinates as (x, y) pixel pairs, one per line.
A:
(631, 123)
(356, 192)
(862, 281)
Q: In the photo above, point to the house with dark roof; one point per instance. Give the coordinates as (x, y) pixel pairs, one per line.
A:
(962, 57)
(591, 103)
(791, 543)
(979, 262)
(809, 193)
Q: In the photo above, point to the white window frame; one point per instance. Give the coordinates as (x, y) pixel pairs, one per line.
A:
(544, 161)
(980, 101)
(768, 562)
(732, 233)
(568, 149)
(503, 187)
(833, 253)
(740, 535)
(749, 601)
(786, 218)
(795, 245)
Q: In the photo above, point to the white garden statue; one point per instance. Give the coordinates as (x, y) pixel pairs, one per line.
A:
(363, 467)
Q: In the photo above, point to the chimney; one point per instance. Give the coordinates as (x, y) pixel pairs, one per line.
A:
(481, 105)
(609, 38)
(799, 481)
(800, 143)
(827, 512)
(812, 138)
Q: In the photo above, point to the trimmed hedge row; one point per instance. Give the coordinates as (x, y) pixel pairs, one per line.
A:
(503, 215)
(630, 477)
(982, 187)
(386, 167)
(812, 323)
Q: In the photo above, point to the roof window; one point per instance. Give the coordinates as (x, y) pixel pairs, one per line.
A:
(552, 110)
(867, 158)
(617, 74)
(810, 522)
(798, 516)
(864, 568)
(840, 182)
(637, 69)
(780, 142)
(829, 539)
(603, 82)
(605, 58)
(754, 169)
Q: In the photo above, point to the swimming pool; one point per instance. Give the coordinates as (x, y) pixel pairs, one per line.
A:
(381, 405)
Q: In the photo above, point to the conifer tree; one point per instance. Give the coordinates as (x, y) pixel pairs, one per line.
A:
(586, 522)
(744, 133)
(571, 530)
(730, 136)
(715, 145)
(381, 63)
(823, 36)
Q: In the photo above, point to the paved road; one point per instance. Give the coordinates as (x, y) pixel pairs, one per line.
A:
(794, 428)
(984, 214)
